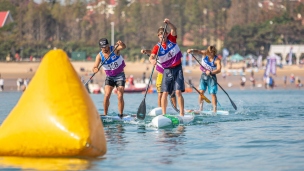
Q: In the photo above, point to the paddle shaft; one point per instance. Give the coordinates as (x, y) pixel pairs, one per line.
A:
(101, 65)
(198, 92)
(234, 106)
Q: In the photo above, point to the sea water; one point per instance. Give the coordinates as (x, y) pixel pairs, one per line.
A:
(265, 133)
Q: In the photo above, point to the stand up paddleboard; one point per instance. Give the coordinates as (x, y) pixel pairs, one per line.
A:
(208, 112)
(171, 120)
(126, 118)
(218, 112)
(158, 111)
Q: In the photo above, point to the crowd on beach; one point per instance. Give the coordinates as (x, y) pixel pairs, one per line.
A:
(21, 84)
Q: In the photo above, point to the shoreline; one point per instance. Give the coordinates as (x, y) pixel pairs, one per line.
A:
(11, 71)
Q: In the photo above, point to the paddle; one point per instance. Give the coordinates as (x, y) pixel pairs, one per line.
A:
(234, 106)
(174, 107)
(202, 95)
(101, 65)
(141, 112)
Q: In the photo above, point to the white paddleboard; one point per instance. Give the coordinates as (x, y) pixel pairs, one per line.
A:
(107, 118)
(205, 112)
(171, 120)
(158, 111)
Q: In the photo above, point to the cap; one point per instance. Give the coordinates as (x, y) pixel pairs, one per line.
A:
(103, 42)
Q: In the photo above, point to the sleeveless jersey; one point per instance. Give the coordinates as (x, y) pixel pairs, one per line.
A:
(114, 64)
(169, 56)
(159, 68)
(207, 65)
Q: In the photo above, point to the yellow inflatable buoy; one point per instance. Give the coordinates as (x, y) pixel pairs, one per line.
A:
(55, 116)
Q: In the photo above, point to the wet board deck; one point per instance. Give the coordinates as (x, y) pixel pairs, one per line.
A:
(210, 112)
(126, 118)
(218, 112)
(171, 120)
(158, 111)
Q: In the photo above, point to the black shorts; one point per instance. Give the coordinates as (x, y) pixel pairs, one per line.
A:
(116, 81)
(173, 79)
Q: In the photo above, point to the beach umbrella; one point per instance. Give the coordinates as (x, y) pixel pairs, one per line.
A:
(251, 56)
(236, 57)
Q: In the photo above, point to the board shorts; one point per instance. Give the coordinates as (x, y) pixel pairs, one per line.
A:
(207, 81)
(116, 81)
(159, 79)
(173, 79)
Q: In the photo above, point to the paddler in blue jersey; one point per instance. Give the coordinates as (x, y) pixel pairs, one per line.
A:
(211, 66)
(114, 69)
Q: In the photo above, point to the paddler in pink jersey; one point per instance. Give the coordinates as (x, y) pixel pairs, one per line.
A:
(211, 66)
(169, 57)
(114, 69)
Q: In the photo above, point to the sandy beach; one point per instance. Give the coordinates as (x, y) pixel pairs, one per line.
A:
(11, 71)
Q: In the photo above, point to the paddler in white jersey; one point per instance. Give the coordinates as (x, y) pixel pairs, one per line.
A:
(167, 53)
(114, 68)
(211, 66)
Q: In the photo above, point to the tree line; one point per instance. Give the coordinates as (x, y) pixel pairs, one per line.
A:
(241, 26)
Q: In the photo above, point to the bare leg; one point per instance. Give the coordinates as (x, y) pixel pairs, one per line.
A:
(200, 100)
(106, 100)
(214, 100)
(159, 97)
(121, 103)
(180, 100)
(164, 102)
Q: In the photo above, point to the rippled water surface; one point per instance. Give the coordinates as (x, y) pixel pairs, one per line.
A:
(265, 133)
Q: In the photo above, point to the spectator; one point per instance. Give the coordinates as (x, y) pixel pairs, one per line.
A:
(252, 81)
(131, 80)
(243, 81)
(19, 84)
(271, 82)
(285, 80)
(144, 77)
(292, 78)
(1, 84)
(299, 85)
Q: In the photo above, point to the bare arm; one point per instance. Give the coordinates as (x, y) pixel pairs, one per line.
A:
(195, 51)
(173, 28)
(152, 59)
(145, 51)
(121, 45)
(218, 67)
(96, 64)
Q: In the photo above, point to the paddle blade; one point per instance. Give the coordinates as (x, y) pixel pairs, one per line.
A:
(205, 98)
(234, 106)
(141, 112)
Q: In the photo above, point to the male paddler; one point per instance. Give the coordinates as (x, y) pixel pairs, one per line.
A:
(168, 54)
(114, 68)
(159, 79)
(211, 66)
